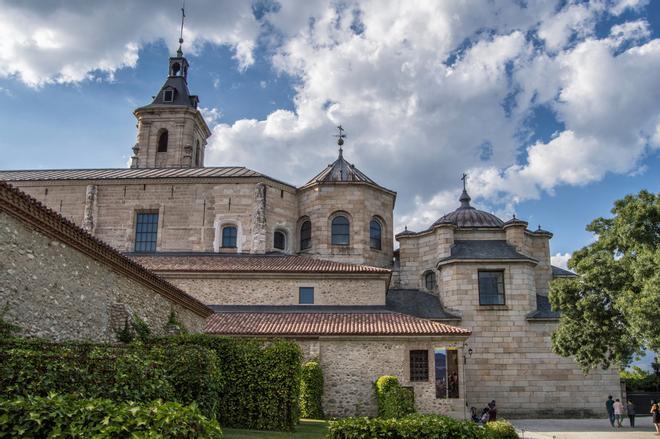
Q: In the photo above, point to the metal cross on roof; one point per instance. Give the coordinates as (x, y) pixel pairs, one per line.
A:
(340, 138)
(464, 178)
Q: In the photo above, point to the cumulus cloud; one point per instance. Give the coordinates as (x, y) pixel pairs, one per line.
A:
(70, 41)
(560, 260)
(426, 89)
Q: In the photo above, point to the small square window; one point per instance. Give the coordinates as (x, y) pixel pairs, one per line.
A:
(419, 365)
(491, 287)
(168, 95)
(306, 295)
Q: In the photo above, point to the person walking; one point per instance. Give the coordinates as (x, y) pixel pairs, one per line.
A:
(631, 413)
(609, 405)
(618, 412)
(655, 412)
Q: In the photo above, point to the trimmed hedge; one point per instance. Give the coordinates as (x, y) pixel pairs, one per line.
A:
(242, 383)
(393, 400)
(500, 430)
(260, 383)
(59, 416)
(311, 391)
(416, 427)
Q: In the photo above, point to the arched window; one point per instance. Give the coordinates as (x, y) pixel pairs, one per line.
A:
(340, 230)
(375, 230)
(229, 237)
(306, 235)
(162, 141)
(429, 280)
(279, 240)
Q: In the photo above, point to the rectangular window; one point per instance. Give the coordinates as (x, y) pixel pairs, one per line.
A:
(446, 373)
(306, 295)
(491, 287)
(419, 365)
(146, 231)
(168, 95)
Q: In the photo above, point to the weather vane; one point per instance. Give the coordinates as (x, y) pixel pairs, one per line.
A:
(464, 178)
(340, 138)
(183, 16)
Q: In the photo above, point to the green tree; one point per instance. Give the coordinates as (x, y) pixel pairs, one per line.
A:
(611, 311)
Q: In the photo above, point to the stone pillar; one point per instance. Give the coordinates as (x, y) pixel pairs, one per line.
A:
(259, 219)
(89, 216)
(134, 157)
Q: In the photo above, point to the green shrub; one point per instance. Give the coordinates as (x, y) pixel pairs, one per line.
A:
(500, 430)
(60, 416)
(260, 381)
(410, 427)
(138, 373)
(311, 391)
(393, 400)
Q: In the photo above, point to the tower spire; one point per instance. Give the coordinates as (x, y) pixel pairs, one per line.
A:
(179, 52)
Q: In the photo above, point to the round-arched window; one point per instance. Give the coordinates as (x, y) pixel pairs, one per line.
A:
(229, 234)
(306, 235)
(162, 141)
(375, 234)
(279, 240)
(340, 230)
(429, 280)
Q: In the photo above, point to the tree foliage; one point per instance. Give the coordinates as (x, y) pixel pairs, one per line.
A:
(610, 312)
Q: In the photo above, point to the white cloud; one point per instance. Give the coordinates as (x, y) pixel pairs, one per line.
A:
(61, 42)
(637, 30)
(560, 260)
(211, 115)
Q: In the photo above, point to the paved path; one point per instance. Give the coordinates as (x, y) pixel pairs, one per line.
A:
(583, 429)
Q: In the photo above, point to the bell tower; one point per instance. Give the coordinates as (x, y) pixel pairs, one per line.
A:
(171, 132)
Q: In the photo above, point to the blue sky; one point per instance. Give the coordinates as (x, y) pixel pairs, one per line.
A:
(552, 107)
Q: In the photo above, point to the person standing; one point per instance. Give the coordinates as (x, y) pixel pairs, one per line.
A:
(655, 412)
(618, 412)
(631, 413)
(609, 405)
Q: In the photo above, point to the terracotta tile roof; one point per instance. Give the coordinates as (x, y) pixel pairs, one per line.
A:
(278, 324)
(242, 263)
(30, 211)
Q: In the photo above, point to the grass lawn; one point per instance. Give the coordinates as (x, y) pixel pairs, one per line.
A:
(306, 430)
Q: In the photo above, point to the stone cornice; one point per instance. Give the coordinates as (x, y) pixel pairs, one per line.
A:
(272, 275)
(31, 212)
(530, 261)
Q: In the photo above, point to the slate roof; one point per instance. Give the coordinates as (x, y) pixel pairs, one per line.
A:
(543, 310)
(343, 172)
(485, 249)
(560, 272)
(127, 173)
(46, 221)
(182, 96)
(315, 323)
(417, 303)
(241, 263)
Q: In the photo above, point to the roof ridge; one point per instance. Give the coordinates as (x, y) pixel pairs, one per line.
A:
(47, 221)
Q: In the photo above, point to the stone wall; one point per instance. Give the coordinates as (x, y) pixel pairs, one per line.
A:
(54, 291)
(350, 368)
(266, 289)
(512, 360)
(420, 254)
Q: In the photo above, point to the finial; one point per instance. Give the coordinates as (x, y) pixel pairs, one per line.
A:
(514, 216)
(405, 229)
(464, 178)
(179, 52)
(340, 139)
(465, 198)
(539, 227)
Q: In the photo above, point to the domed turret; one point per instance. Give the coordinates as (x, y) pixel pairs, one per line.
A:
(468, 216)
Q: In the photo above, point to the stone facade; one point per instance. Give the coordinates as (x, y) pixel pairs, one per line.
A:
(52, 290)
(262, 289)
(351, 366)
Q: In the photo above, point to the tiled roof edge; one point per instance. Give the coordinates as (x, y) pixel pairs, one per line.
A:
(27, 209)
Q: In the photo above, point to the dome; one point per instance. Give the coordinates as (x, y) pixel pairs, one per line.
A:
(468, 216)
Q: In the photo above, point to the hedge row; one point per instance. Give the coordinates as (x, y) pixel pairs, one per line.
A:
(418, 427)
(241, 383)
(311, 391)
(393, 400)
(70, 417)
